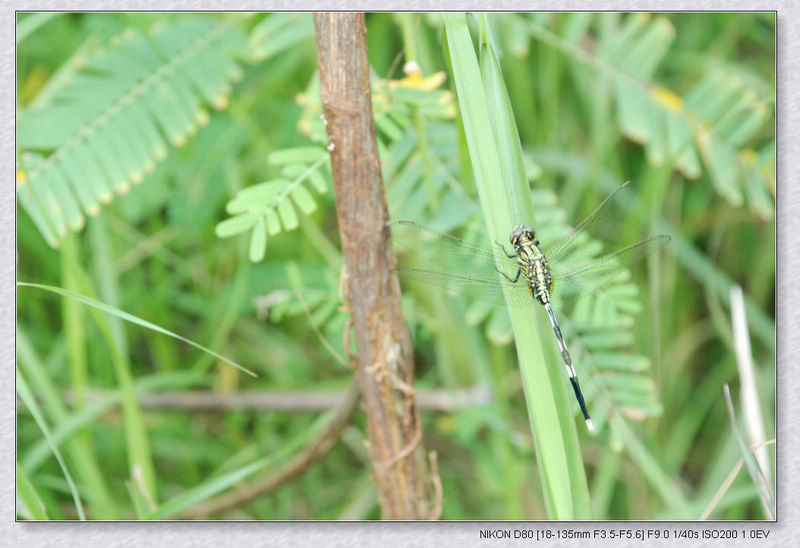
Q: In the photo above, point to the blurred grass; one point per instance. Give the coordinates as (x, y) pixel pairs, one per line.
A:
(153, 253)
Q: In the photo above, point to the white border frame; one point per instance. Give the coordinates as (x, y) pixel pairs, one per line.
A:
(435, 534)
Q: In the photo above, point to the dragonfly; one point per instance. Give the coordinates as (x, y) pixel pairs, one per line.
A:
(529, 272)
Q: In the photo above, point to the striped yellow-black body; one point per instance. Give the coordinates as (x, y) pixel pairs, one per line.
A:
(533, 265)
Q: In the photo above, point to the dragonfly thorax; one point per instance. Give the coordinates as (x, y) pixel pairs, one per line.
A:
(533, 264)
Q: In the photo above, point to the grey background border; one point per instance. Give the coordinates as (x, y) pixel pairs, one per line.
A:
(183, 534)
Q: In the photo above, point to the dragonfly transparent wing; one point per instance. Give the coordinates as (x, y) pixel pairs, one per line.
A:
(603, 222)
(458, 266)
(572, 278)
(471, 269)
(485, 289)
(443, 248)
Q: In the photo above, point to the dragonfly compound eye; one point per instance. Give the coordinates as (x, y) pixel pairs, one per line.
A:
(522, 234)
(517, 232)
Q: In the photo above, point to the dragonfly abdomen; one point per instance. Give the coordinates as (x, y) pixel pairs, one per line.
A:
(573, 377)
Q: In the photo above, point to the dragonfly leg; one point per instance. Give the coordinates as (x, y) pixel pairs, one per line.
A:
(507, 254)
(506, 275)
(573, 377)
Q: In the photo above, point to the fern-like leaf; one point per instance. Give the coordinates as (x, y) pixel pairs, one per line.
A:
(268, 208)
(106, 127)
(715, 122)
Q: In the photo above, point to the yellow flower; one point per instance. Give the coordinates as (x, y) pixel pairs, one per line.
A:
(666, 98)
(414, 79)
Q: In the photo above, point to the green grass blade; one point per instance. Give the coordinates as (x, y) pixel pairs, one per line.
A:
(137, 442)
(33, 507)
(653, 472)
(79, 452)
(35, 456)
(28, 25)
(30, 402)
(142, 482)
(103, 307)
(702, 268)
(751, 464)
(489, 127)
(206, 490)
(217, 484)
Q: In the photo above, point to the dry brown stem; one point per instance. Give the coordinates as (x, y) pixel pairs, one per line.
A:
(385, 359)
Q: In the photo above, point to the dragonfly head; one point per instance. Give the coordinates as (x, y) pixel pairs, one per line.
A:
(522, 235)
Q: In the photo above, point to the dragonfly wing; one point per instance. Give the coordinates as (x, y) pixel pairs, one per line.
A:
(442, 247)
(408, 232)
(570, 279)
(436, 251)
(484, 288)
(603, 222)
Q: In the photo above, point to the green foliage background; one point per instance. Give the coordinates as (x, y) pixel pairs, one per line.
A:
(173, 166)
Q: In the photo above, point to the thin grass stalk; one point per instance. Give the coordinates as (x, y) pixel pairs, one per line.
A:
(36, 455)
(79, 453)
(765, 492)
(102, 505)
(751, 404)
(30, 402)
(142, 472)
(34, 508)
